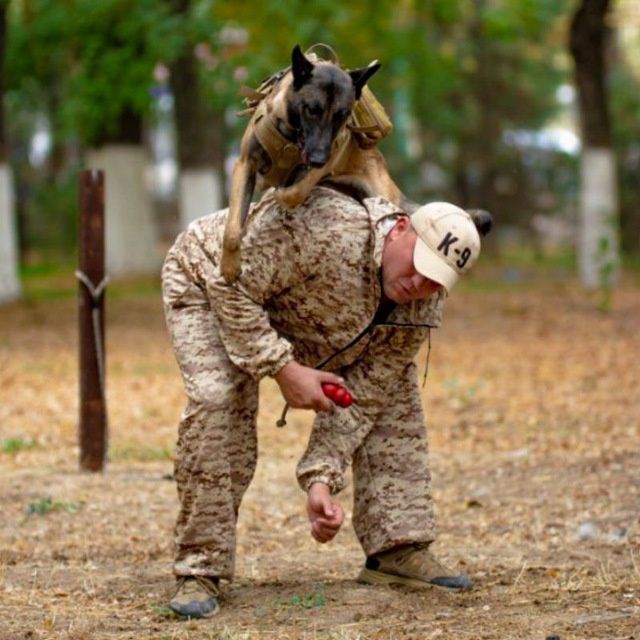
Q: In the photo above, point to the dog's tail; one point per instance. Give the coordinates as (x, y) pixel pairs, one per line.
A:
(482, 219)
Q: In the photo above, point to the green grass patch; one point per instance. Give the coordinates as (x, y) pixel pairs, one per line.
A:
(14, 445)
(48, 279)
(134, 288)
(163, 611)
(66, 287)
(43, 506)
(312, 600)
(140, 453)
(56, 280)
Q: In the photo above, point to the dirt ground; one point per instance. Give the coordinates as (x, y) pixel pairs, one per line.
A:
(533, 410)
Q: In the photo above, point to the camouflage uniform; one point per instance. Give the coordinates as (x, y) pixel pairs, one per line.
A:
(309, 285)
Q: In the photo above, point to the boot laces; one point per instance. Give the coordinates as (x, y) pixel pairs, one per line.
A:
(189, 584)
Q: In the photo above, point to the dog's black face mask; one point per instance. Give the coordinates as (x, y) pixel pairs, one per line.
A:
(320, 103)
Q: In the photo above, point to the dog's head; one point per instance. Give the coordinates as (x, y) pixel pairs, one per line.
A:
(321, 98)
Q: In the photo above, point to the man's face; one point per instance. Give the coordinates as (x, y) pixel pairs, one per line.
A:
(400, 281)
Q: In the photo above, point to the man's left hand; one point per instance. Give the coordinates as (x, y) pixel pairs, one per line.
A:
(325, 514)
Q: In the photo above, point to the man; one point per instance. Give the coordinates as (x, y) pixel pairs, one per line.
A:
(332, 291)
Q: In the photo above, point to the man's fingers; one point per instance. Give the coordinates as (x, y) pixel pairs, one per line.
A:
(318, 533)
(327, 376)
(328, 524)
(333, 512)
(323, 404)
(338, 391)
(321, 534)
(329, 509)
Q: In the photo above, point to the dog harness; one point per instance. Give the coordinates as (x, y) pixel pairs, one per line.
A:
(367, 124)
(285, 155)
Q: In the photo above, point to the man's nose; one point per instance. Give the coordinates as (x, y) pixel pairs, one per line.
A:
(423, 286)
(419, 282)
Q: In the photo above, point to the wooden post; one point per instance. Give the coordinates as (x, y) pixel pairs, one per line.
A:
(93, 411)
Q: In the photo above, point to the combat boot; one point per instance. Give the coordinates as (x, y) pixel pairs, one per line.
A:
(413, 565)
(196, 597)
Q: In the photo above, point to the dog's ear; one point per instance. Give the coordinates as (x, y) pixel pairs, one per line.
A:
(361, 76)
(301, 67)
(482, 219)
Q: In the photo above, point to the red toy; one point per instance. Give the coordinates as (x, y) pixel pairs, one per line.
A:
(338, 394)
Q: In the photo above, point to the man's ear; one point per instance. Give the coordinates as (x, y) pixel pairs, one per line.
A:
(398, 229)
(301, 67)
(361, 76)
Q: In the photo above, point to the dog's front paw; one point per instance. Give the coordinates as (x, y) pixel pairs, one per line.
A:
(230, 265)
(289, 197)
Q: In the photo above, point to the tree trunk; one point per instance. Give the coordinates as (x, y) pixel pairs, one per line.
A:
(130, 236)
(3, 41)
(130, 227)
(200, 133)
(599, 236)
(474, 171)
(9, 282)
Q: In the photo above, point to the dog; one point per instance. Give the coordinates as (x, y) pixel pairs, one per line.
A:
(297, 137)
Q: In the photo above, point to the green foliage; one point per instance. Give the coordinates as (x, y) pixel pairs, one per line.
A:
(14, 445)
(43, 506)
(141, 453)
(312, 600)
(625, 111)
(456, 75)
(52, 211)
(163, 611)
(97, 58)
(608, 265)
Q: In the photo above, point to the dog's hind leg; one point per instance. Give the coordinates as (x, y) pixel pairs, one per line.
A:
(243, 183)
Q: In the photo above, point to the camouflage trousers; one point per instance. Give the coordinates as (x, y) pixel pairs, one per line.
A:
(217, 444)
(384, 439)
(217, 448)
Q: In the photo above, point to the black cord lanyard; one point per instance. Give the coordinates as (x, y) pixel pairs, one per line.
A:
(379, 320)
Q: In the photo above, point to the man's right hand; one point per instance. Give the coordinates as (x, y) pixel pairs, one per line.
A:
(302, 386)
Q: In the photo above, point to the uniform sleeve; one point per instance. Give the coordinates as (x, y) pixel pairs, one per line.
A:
(334, 439)
(281, 249)
(249, 339)
(375, 379)
(273, 259)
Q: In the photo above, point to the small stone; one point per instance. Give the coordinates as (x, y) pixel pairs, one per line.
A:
(617, 536)
(587, 531)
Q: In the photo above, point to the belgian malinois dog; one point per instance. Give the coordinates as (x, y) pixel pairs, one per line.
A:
(297, 137)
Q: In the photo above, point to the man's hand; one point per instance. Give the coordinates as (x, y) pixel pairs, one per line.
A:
(302, 386)
(326, 515)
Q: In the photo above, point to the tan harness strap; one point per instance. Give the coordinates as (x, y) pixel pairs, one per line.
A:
(284, 154)
(369, 121)
(340, 150)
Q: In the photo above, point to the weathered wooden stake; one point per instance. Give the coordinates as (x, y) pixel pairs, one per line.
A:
(93, 411)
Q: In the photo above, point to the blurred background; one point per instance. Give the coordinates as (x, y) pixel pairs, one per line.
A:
(528, 108)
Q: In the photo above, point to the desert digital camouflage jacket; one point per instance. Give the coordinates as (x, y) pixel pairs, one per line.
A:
(309, 286)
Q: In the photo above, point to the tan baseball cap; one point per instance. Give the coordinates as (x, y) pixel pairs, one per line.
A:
(448, 242)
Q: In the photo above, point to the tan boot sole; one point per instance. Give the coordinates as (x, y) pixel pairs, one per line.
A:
(369, 576)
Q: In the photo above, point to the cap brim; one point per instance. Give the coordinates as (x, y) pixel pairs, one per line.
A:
(432, 266)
